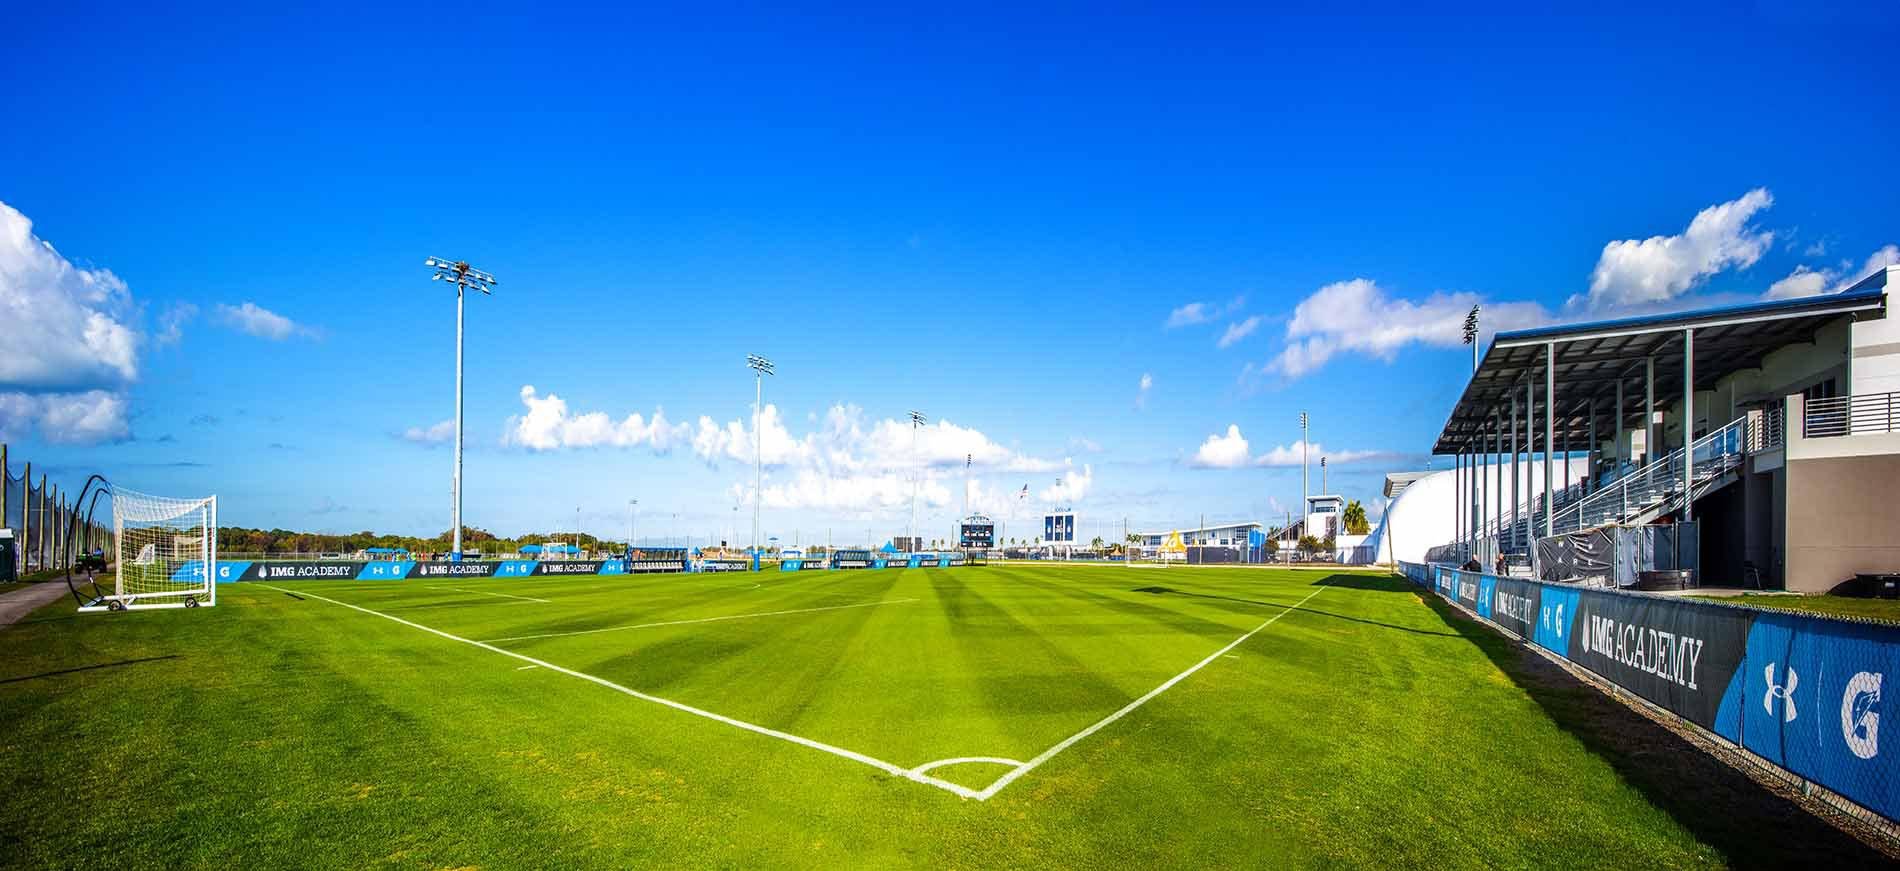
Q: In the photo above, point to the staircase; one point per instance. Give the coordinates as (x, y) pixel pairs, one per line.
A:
(1638, 495)
(1657, 489)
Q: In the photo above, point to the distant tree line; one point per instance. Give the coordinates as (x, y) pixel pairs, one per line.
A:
(238, 539)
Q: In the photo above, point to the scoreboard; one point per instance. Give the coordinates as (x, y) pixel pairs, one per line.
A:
(1058, 527)
(976, 532)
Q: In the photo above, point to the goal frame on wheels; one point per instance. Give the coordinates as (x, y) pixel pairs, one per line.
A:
(166, 553)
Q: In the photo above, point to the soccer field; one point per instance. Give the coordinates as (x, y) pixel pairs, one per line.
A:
(1026, 716)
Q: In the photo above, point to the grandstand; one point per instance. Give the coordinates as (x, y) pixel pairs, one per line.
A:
(1764, 437)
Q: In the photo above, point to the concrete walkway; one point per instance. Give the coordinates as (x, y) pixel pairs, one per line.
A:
(22, 602)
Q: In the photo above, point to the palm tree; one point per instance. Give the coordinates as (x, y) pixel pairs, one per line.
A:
(1355, 517)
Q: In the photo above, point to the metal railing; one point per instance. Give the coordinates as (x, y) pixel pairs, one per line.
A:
(1770, 433)
(1852, 415)
(1658, 484)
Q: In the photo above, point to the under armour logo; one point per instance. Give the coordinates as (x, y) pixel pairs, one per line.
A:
(1784, 693)
(1860, 723)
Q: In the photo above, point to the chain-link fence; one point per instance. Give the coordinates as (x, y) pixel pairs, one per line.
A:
(42, 516)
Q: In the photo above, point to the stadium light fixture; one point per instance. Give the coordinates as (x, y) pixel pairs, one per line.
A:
(463, 276)
(1471, 335)
(760, 367)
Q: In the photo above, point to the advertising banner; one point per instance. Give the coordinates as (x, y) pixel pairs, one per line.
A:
(308, 570)
(1679, 655)
(1809, 699)
(456, 570)
(1514, 605)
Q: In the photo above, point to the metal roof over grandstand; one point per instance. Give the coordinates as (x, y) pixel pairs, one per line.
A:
(1592, 357)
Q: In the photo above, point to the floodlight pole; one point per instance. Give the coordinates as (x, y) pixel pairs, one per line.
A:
(917, 419)
(632, 506)
(463, 276)
(760, 367)
(1305, 494)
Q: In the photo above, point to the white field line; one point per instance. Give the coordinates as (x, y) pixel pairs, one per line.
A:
(993, 760)
(496, 595)
(887, 767)
(1070, 741)
(699, 620)
(526, 667)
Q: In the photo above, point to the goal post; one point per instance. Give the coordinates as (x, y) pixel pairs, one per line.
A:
(165, 553)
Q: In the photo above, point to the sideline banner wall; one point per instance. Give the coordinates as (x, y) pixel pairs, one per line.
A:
(1803, 692)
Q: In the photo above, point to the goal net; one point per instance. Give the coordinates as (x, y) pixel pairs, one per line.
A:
(166, 554)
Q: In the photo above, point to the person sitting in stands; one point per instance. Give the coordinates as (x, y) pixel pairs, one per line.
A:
(1500, 567)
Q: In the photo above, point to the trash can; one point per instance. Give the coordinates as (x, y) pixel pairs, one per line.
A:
(1675, 579)
(1881, 585)
(8, 559)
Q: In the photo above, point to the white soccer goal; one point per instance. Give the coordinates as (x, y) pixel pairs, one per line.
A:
(166, 555)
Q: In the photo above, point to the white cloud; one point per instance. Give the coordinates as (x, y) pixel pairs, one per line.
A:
(1222, 451)
(1236, 332)
(1660, 268)
(549, 426)
(258, 321)
(1885, 257)
(1801, 282)
(850, 462)
(432, 435)
(171, 323)
(1804, 281)
(1070, 488)
(1202, 312)
(1290, 455)
(68, 347)
(61, 327)
(1358, 316)
(1231, 451)
(1189, 315)
(86, 417)
(1141, 393)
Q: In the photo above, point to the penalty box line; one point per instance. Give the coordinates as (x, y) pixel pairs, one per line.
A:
(1097, 726)
(887, 767)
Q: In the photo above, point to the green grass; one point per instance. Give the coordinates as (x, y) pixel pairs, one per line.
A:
(1366, 726)
(1842, 606)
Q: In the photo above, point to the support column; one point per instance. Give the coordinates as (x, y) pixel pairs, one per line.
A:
(24, 542)
(1484, 474)
(1515, 498)
(1566, 450)
(1688, 419)
(1649, 410)
(1457, 488)
(39, 527)
(1619, 420)
(1498, 495)
(1550, 429)
(1590, 464)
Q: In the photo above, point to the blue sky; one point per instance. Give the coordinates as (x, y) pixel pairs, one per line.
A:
(988, 215)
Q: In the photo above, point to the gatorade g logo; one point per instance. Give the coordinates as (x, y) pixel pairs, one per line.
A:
(1860, 723)
(1784, 693)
